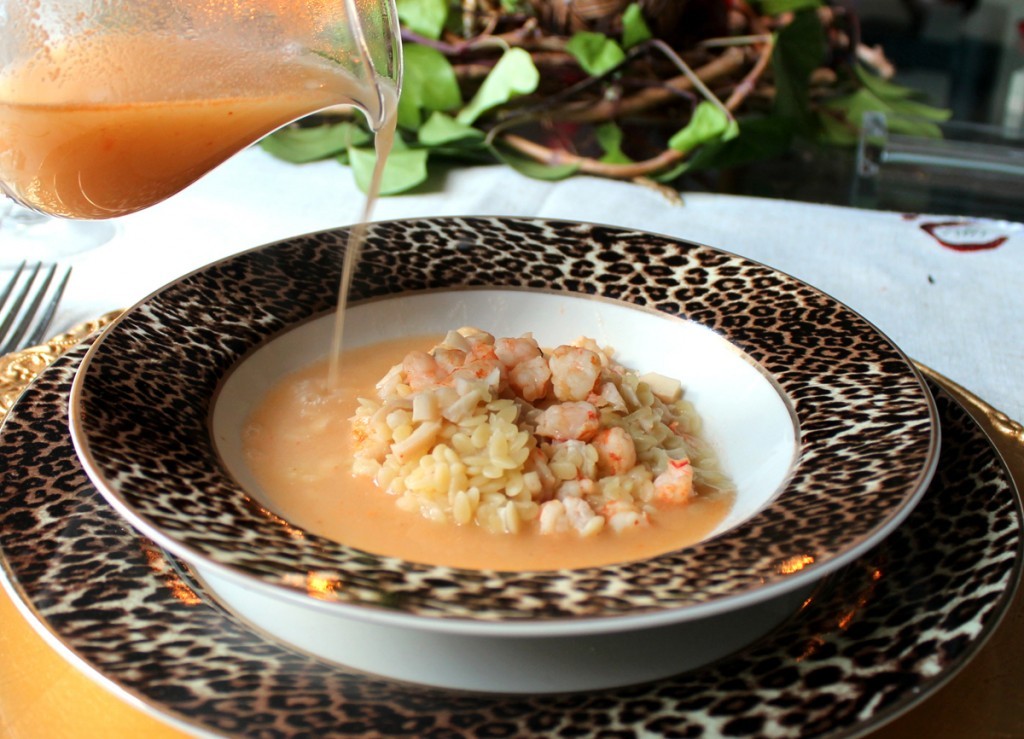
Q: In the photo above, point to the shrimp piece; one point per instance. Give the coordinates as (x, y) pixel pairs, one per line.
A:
(481, 363)
(574, 372)
(475, 337)
(585, 342)
(367, 445)
(552, 517)
(513, 352)
(675, 484)
(484, 351)
(579, 488)
(569, 421)
(455, 340)
(538, 464)
(449, 359)
(475, 373)
(388, 385)
(422, 371)
(616, 452)
(479, 369)
(530, 379)
(609, 395)
(581, 516)
(621, 515)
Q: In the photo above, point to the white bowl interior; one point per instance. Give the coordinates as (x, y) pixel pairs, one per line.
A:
(746, 417)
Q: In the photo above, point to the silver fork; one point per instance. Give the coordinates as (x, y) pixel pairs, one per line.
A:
(27, 304)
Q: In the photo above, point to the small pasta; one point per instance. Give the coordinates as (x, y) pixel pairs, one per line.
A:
(499, 433)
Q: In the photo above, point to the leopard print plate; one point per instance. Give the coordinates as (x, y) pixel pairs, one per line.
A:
(866, 421)
(881, 634)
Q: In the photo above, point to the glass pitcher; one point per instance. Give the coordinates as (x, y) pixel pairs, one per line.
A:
(109, 107)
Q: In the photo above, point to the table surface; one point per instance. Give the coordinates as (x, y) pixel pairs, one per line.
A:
(946, 293)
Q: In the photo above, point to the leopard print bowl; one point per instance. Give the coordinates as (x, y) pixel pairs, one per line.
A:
(863, 429)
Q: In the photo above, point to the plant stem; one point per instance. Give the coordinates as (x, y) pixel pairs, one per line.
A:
(588, 165)
(727, 63)
(722, 66)
(697, 82)
(749, 82)
(715, 43)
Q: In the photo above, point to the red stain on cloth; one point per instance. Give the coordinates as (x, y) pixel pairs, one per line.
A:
(967, 235)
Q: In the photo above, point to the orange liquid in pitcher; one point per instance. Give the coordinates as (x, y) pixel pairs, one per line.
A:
(102, 126)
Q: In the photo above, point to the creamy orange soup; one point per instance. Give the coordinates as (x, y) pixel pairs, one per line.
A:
(298, 445)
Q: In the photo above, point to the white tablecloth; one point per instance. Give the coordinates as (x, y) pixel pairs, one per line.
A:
(957, 311)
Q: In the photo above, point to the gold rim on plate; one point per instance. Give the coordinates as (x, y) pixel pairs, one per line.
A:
(19, 368)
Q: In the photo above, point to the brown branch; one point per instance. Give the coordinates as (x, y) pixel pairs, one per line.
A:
(545, 62)
(749, 82)
(588, 165)
(722, 66)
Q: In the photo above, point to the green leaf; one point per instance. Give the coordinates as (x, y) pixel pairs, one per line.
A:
(881, 87)
(708, 123)
(777, 7)
(759, 139)
(428, 84)
(425, 17)
(440, 129)
(609, 137)
(634, 28)
(835, 127)
(914, 109)
(298, 145)
(595, 52)
(531, 168)
(513, 75)
(405, 168)
(462, 154)
(841, 118)
(799, 49)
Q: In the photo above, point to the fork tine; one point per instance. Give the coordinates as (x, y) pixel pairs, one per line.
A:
(9, 312)
(12, 312)
(27, 317)
(10, 285)
(44, 321)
